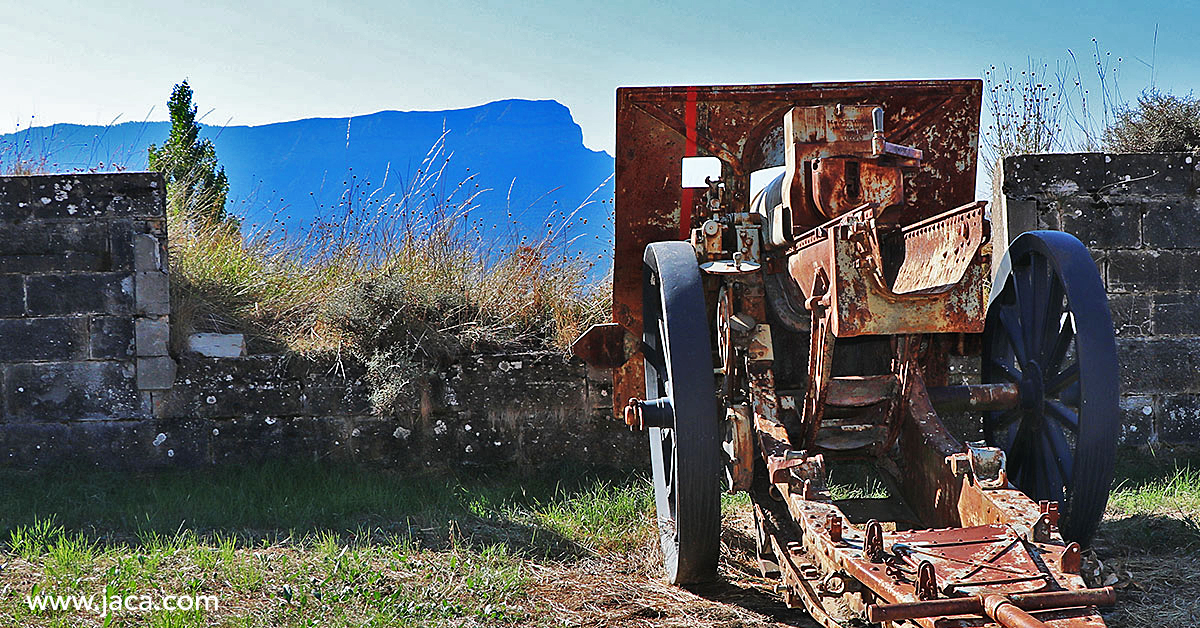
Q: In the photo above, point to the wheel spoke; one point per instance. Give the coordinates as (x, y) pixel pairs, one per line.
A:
(1052, 323)
(654, 356)
(1062, 453)
(1068, 376)
(1070, 395)
(1063, 415)
(1062, 342)
(1014, 461)
(1026, 303)
(1042, 284)
(1038, 470)
(1012, 330)
(1006, 370)
(1004, 419)
(1010, 437)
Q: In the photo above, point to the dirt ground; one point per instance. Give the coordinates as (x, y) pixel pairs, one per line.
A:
(1158, 584)
(628, 591)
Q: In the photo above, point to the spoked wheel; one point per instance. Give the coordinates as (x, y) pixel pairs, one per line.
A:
(1049, 331)
(685, 445)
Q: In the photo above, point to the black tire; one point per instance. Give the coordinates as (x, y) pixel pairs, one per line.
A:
(1049, 331)
(686, 458)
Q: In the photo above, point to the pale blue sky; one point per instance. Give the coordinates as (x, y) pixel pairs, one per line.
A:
(256, 62)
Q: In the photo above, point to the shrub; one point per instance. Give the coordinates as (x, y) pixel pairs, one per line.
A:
(1039, 111)
(1159, 123)
(196, 184)
(438, 297)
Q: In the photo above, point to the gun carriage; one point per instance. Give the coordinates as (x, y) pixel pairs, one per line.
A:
(761, 341)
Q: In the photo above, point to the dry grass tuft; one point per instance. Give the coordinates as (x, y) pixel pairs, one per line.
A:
(401, 282)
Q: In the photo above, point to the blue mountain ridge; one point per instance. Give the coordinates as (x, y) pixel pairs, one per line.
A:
(526, 156)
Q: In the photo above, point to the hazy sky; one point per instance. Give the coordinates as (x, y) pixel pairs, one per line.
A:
(255, 62)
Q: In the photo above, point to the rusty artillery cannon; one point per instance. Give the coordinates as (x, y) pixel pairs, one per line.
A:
(763, 341)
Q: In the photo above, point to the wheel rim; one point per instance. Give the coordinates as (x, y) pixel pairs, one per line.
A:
(1049, 332)
(685, 457)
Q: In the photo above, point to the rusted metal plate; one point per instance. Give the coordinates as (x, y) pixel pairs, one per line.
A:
(842, 262)
(743, 126)
(972, 560)
(604, 346)
(860, 390)
(938, 250)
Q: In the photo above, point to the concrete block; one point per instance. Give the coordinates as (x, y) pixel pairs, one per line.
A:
(29, 445)
(153, 293)
(1099, 224)
(1147, 174)
(79, 293)
(27, 239)
(1153, 270)
(1177, 314)
(111, 338)
(80, 237)
(1172, 223)
(1130, 314)
(71, 391)
(1010, 218)
(1138, 414)
(1046, 176)
(218, 345)
(257, 385)
(12, 295)
(1180, 419)
(91, 196)
(14, 199)
(147, 255)
(61, 196)
(155, 373)
(1159, 365)
(336, 389)
(152, 336)
(43, 339)
(66, 262)
(121, 233)
(34, 247)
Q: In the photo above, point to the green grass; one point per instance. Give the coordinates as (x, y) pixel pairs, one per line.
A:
(306, 545)
(1154, 506)
(1177, 492)
(851, 480)
(323, 545)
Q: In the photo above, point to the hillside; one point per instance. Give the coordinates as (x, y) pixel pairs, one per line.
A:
(526, 156)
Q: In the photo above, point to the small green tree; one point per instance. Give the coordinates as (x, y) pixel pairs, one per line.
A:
(196, 186)
(1160, 123)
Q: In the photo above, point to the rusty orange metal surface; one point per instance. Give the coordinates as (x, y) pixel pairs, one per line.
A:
(742, 126)
(941, 286)
(873, 232)
(990, 556)
(1104, 596)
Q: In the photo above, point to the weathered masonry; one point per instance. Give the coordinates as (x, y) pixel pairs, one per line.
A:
(86, 376)
(84, 300)
(1140, 216)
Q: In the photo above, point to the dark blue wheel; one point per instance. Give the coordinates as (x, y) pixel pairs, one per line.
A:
(1050, 332)
(685, 446)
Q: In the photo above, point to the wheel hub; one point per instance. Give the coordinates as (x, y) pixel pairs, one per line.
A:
(1033, 388)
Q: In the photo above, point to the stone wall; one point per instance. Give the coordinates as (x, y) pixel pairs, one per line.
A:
(86, 377)
(83, 296)
(1140, 216)
(487, 410)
